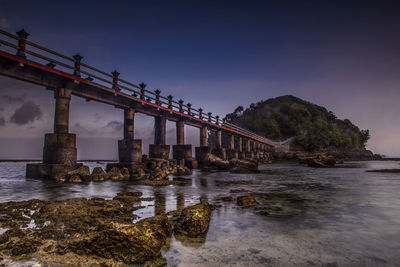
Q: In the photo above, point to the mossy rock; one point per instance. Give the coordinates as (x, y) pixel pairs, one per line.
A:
(98, 175)
(130, 244)
(194, 220)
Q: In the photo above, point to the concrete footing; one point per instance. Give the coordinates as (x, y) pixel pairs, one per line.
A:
(130, 150)
(159, 151)
(49, 171)
(59, 148)
(182, 152)
(202, 154)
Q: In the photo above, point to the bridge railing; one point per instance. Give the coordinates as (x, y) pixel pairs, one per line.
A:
(104, 80)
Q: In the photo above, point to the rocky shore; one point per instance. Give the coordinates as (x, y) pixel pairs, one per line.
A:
(93, 232)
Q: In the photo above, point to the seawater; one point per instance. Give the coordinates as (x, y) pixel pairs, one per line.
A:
(325, 217)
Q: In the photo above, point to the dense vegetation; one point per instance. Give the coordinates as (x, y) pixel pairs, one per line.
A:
(314, 127)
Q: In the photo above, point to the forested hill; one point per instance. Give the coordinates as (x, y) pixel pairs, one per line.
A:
(314, 126)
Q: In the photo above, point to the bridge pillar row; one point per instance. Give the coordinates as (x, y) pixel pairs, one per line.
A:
(181, 151)
(59, 151)
(219, 151)
(203, 151)
(232, 153)
(159, 149)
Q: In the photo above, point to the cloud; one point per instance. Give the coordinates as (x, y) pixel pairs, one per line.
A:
(4, 23)
(12, 99)
(2, 121)
(116, 126)
(26, 113)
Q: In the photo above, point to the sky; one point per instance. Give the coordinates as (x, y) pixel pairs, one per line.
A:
(343, 55)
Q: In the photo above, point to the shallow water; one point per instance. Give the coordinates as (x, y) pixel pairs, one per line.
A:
(325, 217)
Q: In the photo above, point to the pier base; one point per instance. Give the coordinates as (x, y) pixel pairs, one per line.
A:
(159, 151)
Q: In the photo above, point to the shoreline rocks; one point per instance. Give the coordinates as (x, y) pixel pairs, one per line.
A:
(94, 230)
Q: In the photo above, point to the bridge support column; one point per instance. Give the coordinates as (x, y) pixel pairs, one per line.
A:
(203, 151)
(59, 151)
(232, 152)
(241, 152)
(180, 151)
(249, 152)
(129, 148)
(219, 151)
(159, 149)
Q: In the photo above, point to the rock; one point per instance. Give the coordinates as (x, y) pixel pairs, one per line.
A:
(83, 171)
(247, 200)
(128, 197)
(321, 162)
(238, 190)
(23, 246)
(386, 170)
(244, 166)
(115, 174)
(194, 220)
(130, 244)
(98, 174)
(158, 174)
(75, 179)
(125, 173)
(183, 170)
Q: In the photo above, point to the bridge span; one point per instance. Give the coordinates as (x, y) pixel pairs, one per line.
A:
(66, 76)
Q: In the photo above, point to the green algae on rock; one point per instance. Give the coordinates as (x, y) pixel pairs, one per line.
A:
(194, 220)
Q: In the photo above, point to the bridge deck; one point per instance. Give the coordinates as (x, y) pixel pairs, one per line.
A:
(20, 68)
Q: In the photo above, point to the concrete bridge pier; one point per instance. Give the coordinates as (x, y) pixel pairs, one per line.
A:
(182, 151)
(59, 151)
(203, 151)
(232, 152)
(241, 151)
(249, 151)
(219, 151)
(159, 149)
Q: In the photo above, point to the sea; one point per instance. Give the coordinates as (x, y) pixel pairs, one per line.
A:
(341, 216)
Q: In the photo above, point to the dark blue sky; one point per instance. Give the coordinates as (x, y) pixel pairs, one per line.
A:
(344, 55)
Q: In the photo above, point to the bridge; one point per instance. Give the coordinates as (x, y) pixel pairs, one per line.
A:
(66, 76)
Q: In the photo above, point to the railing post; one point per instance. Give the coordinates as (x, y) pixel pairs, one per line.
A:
(170, 101)
(189, 109)
(180, 106)
(115, 75)
(200, 113)
(142, 90)
(22, 34)
(209, 116)
(217, 117)
(157, 97)
(77, 69)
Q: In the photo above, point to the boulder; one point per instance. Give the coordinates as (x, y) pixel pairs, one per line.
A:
(244, 166)
(246, 200)
(125, 173)
(115, 174)
(131, 244)
(83, 171)
(75, 178)
(183, 170)
(194, 220)
(98, 175)
(158, 174)
(321, 162)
